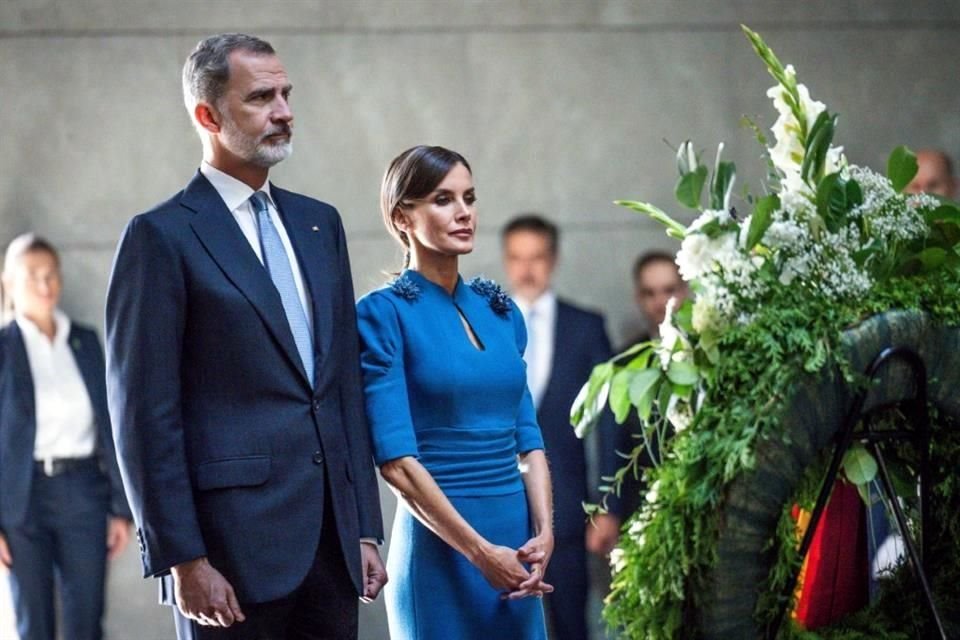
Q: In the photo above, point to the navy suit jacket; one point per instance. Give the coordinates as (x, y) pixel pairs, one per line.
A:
(18, 420)
(226, 450)
(580, 342)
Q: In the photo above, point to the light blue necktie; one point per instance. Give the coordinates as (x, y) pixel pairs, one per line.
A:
(278, 266)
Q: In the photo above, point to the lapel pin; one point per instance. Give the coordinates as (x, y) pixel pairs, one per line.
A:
(315, 228)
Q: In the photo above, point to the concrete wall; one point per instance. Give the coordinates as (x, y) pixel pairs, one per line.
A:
(561, 106)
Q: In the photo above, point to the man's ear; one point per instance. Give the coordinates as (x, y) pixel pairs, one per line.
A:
(207, 116)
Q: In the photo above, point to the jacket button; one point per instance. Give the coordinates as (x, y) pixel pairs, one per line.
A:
(317, 457)
(316, 405)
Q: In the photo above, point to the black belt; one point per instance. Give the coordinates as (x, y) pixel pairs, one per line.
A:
(51, 467)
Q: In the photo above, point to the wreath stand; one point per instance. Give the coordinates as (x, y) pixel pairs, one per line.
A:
(820, 415)
(916, 411)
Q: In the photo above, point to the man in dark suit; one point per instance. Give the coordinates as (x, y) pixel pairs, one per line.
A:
(234, 380)
(564, 343)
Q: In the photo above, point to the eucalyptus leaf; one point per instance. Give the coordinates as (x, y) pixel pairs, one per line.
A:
(858, 465)
(682, 372)
(643, 389)
(690, 186)
(620, 394)
(761, 219)
(901, 167)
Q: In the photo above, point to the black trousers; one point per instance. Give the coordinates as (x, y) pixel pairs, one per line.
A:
(324, 606)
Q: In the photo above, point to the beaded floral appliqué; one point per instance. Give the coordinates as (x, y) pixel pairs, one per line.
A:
(494, 293)
(406, 288)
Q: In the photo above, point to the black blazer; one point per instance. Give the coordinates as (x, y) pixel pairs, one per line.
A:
(226, 450)
(18, 420)
(580, 342)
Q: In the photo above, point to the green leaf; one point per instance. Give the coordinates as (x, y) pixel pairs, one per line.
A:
(858, 465)
(832, 201)
(932, 258)
(684, 316)
(589, 403)
(690, 186)
(674, 228)
(761, 219)
(643, 389)
(943, 213)
(818, 143)
(901, 167)
(663, 398)
(683, 372)
(620, 394)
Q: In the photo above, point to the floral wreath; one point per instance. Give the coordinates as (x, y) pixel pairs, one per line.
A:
(828, 245)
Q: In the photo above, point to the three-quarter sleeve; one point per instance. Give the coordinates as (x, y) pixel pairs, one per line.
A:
(528, 431)
(384, 382)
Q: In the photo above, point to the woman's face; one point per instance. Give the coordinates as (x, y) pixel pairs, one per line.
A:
(34, 284)
(445, 221)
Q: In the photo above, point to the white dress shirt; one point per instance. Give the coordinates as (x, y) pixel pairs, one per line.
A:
(65, 421)
(236, 195)
(541, 320)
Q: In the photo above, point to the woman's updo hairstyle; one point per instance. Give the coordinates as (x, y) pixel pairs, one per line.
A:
(412, 175)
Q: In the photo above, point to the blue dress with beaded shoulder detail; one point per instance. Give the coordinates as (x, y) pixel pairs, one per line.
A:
(465, 412)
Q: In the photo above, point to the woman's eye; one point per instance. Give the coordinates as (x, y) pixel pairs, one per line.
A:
(443, 201)
(470, 198)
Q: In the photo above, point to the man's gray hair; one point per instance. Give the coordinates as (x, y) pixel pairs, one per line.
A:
(207, 68)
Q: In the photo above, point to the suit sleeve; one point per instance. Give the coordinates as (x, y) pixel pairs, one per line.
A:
(528, 430)
(145, 319)
(118, 499)
(384, 380)
(355, 422)
(608, 431)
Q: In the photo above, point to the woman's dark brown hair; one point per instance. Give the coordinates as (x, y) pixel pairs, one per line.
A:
(412, 175)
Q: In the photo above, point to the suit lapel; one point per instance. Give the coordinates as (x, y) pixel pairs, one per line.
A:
(317, 256)
(23, 384)
(220, 234)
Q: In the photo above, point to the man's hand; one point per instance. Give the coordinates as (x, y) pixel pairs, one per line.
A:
(118, 535)
(6, 560)
(204, 595)
(603, 533)
(374, 574)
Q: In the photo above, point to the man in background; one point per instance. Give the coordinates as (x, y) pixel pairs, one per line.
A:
(656, 279)
(934, 175)
(564, 343)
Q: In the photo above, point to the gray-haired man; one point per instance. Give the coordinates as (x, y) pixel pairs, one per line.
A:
(234, 380)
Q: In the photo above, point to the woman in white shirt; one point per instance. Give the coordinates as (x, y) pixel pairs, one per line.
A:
(62, 507)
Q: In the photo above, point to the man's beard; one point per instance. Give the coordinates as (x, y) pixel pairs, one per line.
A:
(256, 150)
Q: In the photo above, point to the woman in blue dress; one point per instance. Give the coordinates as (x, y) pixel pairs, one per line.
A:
(453, 425)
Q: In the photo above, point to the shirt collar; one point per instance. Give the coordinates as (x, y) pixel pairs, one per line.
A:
(233, 192)
(543, 307)
(32, 332)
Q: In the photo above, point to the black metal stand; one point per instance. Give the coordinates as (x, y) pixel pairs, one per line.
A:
(916, 410)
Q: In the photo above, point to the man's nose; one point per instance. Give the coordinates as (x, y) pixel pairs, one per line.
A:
(282, 111)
